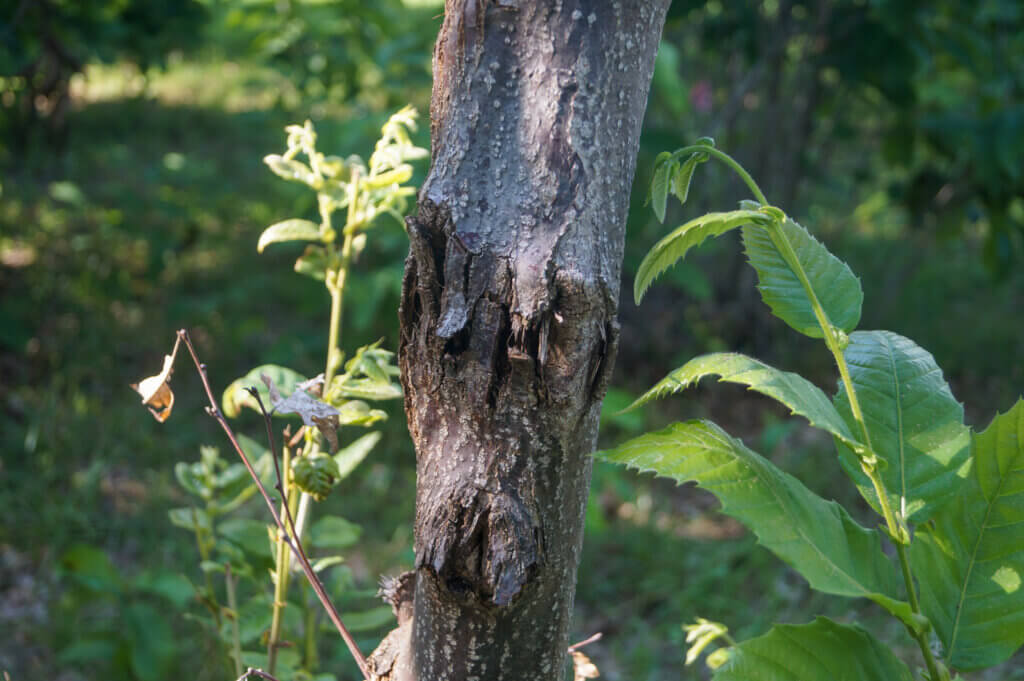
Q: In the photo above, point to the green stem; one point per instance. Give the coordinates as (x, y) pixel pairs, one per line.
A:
(727, 160)
(894, 524)
(236, 638)
(204, 555)
(281, 572)
(336, 284)
(830, 333)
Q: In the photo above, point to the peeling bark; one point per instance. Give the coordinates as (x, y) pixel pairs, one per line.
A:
(508, 323)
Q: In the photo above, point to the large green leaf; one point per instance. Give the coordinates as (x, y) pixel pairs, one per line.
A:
(801, 396)
(673, 247)
(817, 537)
(915, 424)
(970, 561)
(818, 651)
(836, 287)
(237, 396)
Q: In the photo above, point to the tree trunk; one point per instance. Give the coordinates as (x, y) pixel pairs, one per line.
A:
(508, 324)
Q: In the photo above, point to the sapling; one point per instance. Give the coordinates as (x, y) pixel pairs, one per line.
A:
(951, 500)
(312, 460)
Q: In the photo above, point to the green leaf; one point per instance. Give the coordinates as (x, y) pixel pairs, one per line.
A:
(817, 537)
(313, 262)
(915, 423)
(794, 391)
(150, 639)
(970, 561)
(189, 518)
(191, 477)
(836, 287)
(674, 246)
(250, 535)
(92, 568)
(289, 230)
(333, 532)
(816, 651)
(370, 620)
(235, 395)
(352, 455)
(357, 413)
(290, 169)
(659, 188)
(684, 175)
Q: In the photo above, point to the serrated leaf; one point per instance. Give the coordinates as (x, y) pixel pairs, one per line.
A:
(794, 391)
(836, 287)
(673, 247)
(817, 537)
(816, 651)
(289, 230)
(915, 424)
(659, 188)
(235, 395)
(683, 176)
(970, 561)
(352, 455)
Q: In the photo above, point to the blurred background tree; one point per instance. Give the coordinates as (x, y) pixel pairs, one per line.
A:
(132, 193)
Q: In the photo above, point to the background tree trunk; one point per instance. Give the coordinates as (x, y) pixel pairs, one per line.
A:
(508, 324)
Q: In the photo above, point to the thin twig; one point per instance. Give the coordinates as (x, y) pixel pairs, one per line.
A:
(311, 576)
(587, 641)
(296, 547)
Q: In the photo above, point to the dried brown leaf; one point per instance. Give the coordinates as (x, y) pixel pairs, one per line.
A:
(582, 667)
(156, 393)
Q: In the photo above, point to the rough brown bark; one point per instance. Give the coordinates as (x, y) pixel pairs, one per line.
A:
(508, 323)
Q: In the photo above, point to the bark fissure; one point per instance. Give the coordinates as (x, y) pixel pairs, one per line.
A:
(508, 322)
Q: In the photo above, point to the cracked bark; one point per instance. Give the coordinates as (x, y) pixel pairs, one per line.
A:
(508, 324)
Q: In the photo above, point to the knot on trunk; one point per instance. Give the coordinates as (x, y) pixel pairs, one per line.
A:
(486, 544)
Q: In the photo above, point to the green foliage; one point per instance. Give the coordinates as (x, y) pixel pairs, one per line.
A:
(816, 537)
(915, 424)
(670, 249)
(821, 649)
(900, 434)
(793, 390)
(239, 547)
(779, 271)
(44, 43)
(970, 561)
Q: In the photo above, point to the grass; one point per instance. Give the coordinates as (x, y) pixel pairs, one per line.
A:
(147, 221)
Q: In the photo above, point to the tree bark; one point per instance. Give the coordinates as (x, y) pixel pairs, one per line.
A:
(508, 331)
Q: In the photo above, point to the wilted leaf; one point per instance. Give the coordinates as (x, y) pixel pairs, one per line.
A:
(237, 396)
(156, 393)
(582, 667)
(314, 412)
